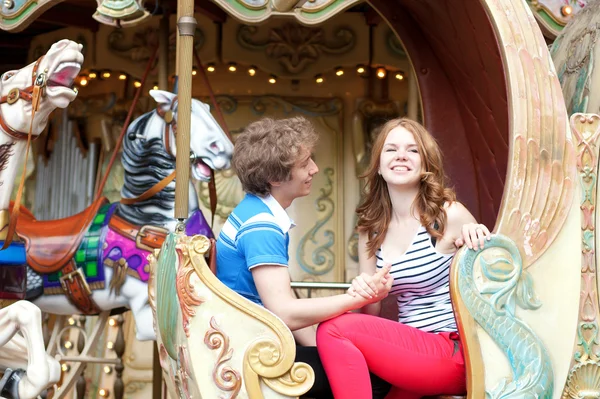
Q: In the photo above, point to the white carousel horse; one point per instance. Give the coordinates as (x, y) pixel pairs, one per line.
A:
(42, 370)
(21, 339)
(148, 157)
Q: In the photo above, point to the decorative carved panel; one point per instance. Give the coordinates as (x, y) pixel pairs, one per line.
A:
(584, 376)
(288, 49)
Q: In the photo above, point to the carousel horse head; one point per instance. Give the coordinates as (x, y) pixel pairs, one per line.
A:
(210, 148)
(149, 152)
(54, 74)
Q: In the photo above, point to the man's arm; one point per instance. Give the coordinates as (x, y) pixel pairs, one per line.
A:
(306, 336)
(274, 288)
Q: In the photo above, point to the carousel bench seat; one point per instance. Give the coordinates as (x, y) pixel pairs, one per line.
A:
(250, 350)
(213, 342)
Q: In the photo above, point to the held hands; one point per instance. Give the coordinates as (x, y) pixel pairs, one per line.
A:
(473, 236)
(372, 288)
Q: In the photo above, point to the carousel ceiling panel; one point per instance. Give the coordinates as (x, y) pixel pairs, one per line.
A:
(18, 31)
(128, 50)
(16, 15)
(288, 49)
(305, 11)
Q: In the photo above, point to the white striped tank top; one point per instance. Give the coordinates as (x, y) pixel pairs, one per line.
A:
(422, 285)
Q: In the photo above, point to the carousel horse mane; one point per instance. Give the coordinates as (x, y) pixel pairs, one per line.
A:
(146, 162)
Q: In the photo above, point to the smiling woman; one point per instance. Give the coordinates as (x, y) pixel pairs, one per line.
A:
(410, 223)
(491, 97)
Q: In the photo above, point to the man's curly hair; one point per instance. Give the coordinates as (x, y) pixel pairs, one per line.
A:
(267, 150)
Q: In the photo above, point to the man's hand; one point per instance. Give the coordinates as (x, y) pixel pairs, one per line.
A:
(372, 288)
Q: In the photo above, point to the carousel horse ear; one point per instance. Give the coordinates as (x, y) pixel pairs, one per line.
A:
(162, 97)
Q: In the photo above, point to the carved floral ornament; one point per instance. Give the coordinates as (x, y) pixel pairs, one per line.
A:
(139, 46)
(294, 46)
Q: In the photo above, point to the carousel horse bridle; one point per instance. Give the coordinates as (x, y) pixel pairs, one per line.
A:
(31, 94)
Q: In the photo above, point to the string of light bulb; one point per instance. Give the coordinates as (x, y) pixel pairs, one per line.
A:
(361, 70)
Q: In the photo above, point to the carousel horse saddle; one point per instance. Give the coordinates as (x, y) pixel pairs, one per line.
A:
(50, 244)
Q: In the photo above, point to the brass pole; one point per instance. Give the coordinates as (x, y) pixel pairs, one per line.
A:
(186, 26)
(163, 46)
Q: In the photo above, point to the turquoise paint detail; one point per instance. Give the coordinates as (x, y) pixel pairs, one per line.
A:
(323, 258)
(587, 179)
(167, 304)
(21, 10)
(507, 286)
(587, 341)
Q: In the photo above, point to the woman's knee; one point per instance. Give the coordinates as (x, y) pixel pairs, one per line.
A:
(326, 329)
(338, 325)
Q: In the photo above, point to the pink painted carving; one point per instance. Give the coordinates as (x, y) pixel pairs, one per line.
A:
(226, 378)
(586, 130)
(188, 298)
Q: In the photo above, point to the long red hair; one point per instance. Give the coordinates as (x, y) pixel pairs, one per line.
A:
(375, 212)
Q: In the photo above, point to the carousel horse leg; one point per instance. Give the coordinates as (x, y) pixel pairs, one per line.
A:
(26, 351)
(137, 294)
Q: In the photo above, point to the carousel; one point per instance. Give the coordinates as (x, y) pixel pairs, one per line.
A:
(115, 148)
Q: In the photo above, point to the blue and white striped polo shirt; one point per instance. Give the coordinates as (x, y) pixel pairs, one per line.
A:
(255, 233)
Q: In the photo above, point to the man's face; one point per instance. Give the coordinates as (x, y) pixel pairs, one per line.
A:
(301, 177)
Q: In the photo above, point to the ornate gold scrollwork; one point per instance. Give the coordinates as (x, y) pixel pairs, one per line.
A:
(296, 382)
(265, 359)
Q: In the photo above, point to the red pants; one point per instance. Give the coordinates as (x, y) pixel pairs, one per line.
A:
(415, 362)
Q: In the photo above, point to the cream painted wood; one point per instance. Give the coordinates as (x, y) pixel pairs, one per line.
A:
(211, 340)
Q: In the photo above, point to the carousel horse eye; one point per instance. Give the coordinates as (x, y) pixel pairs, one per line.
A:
(132, 136)
(7, 75)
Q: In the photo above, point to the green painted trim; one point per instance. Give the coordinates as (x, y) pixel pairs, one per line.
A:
(22, 15)
(247, 11)
(546, 18)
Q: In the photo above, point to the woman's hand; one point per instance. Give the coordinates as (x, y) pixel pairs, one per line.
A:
(473, 236)
(372, 288)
